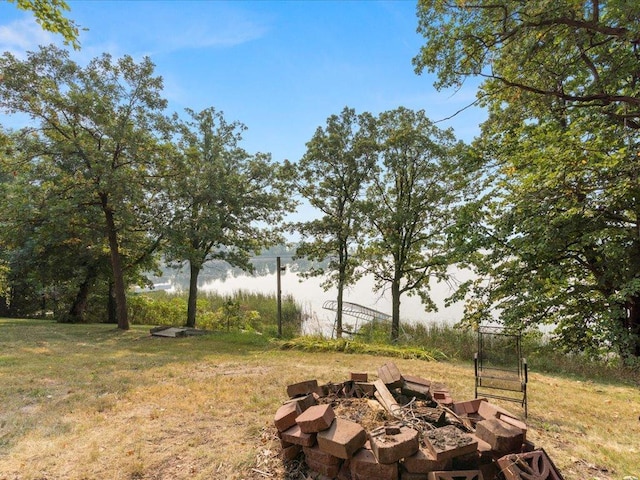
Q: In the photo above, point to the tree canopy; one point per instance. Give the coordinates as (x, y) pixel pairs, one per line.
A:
(410, 207)
(561, 225)
(388, 189)
(563, 55)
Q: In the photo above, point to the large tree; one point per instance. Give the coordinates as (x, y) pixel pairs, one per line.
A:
(225, 203)
(562, 235)
(98, 130)
(333, 175)
(411, 206)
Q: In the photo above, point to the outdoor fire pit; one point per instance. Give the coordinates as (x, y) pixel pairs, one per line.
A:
(403, 427)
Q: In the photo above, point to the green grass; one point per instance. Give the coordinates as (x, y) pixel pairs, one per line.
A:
(92, 402)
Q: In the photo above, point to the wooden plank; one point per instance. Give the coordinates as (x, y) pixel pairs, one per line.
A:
(171, 332)
(417, 390)
(390, 375)
(418, 380)
(385, 398)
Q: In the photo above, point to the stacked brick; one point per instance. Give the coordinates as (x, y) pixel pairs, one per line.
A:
(439, 440)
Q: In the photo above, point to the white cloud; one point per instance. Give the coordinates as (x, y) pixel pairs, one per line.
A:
(23, 35)
(206, 33)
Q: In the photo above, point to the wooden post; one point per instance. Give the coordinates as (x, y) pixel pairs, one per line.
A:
(279, 295)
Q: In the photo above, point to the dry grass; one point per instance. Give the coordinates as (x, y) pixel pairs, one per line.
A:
(90, 402)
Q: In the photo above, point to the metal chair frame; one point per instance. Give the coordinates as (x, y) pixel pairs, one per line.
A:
(506, 379)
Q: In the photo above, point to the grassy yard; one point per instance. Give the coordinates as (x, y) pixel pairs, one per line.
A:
(92, 402)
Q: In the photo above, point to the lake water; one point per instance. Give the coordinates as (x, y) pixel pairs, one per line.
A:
(311, 296)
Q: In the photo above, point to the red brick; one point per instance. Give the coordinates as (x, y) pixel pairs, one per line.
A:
(345, 471)
(416, 387)
(515, 422)
(302, 388)
(303, 402)
(483, 447)
(290, 452)
(315, 419)
(284, 444)
(342, 439)
(442, 396)
(417, 380)
(490, 410)
(365, 389)
(470, 461)
(389, 447)
(330, 470)
(365, 466)
(298, 437)
(502, 437)
(317, 455)
(322, 391)
(439, 442)
(468, 408)
(457, 475)
(423, 461)
(359, 377)
(286, 416)
(490, 471)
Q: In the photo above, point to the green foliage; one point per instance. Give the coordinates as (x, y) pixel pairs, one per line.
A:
(4, 283)
(390, 190)
(560, 226)
(241, 311)
(87, 171)
(411, 206)
(231, 316)
(332, 175)
(50, 15)
(226, 204)
(543, 55)
(157, 309)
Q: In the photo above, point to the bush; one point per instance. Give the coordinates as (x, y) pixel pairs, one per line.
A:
(157, 309)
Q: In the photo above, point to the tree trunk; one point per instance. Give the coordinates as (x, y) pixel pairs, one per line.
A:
(4, 306)
(112, 315)
(632, 329)
(194, 271)
(341, 275)
(77, 312)
(116, 266)
(395, 309)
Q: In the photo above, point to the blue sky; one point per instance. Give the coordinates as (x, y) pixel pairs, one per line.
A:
(279, 67)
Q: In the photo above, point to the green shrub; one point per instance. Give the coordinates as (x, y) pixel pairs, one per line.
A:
(321, 344)
(157, 309)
